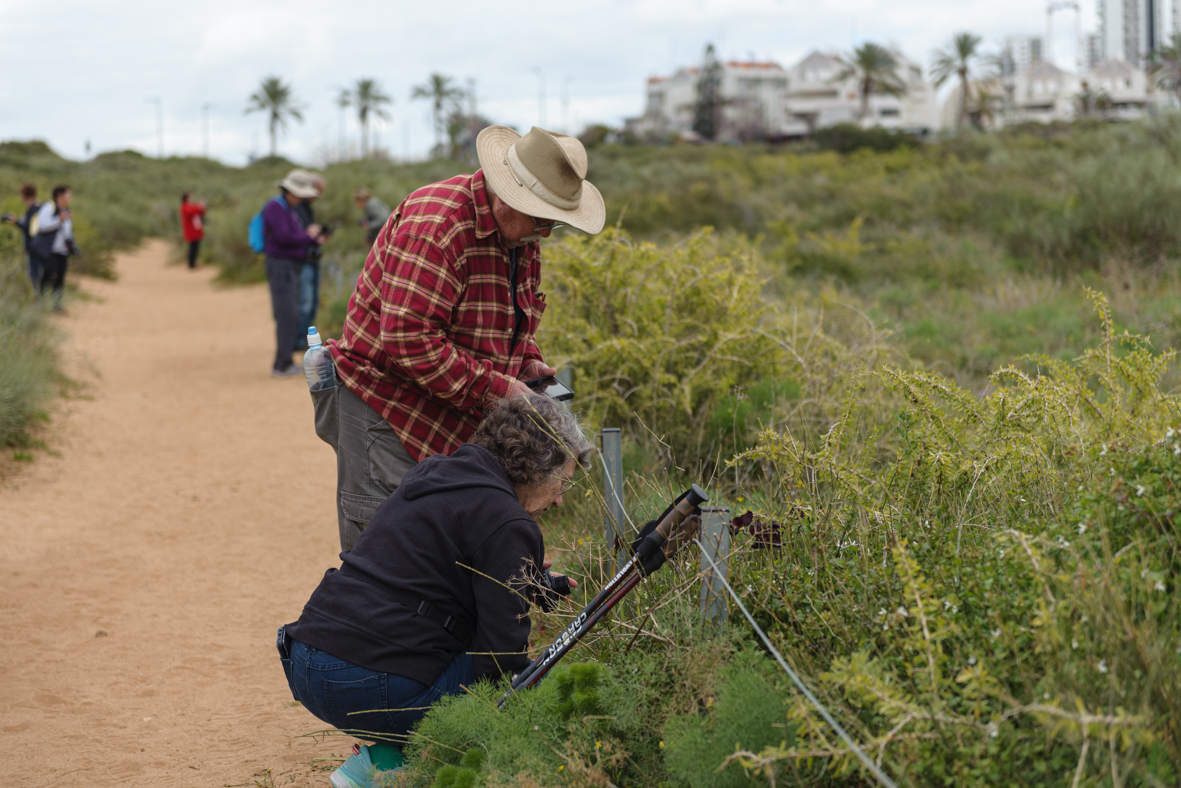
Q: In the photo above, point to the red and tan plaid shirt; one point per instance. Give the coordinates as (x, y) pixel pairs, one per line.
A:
(428, 339)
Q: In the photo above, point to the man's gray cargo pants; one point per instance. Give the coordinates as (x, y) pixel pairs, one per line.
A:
(370, 460)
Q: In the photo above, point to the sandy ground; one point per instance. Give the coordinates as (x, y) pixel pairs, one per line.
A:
(144, 569)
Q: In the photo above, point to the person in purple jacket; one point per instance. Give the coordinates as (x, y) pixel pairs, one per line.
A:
(286, 247)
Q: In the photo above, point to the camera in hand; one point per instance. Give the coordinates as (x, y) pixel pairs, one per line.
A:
(551, 387)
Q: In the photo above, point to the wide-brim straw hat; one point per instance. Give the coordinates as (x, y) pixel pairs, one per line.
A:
(542, 174)
(301, 183)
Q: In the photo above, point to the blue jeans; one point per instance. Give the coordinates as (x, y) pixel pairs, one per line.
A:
(309, 300)
(359, 700)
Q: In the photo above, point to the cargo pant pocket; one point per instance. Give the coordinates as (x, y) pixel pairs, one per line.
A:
(327, 419)
(359, 508)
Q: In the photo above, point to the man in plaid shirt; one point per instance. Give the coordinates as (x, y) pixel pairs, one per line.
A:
(445, 313)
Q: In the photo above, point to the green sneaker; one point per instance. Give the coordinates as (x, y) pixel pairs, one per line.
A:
(359, 772)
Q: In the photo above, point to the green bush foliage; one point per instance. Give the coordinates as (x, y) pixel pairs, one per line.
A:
(659, 337)
(982, 589)
(29, 378)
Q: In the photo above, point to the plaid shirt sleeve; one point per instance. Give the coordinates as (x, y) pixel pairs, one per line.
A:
(419, 291)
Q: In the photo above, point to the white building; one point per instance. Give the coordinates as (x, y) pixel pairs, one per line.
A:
(1046, 93)
(1131, 30)
(752, 102)
(763, 101)
(816, 99)
(1020, 53)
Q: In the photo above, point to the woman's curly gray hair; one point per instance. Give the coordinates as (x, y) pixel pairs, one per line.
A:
(533, 437)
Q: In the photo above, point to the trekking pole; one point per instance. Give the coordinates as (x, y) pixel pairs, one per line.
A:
(657, 543)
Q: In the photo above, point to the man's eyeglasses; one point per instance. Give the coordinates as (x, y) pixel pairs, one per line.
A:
(550, 226)
(567, 485)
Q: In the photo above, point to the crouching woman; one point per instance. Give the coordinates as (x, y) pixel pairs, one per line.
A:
(430, 599)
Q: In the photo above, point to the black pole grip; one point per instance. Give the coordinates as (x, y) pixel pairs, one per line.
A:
(697, 496)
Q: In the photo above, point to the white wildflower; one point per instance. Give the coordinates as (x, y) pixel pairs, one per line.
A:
(885, 627)
(996, 633)
(1082, 528)
(1103, 451)
(1063, 543)
(1140, 490)
(1102, 666)
(1160, 586)
(1143, 573)
(1169, 434)
(1002, 553)
(901, 611)
(971, 660)
(993, 730)
(1073, 644)
(1045, 696)
(946, 605)
(1176, 449)
(881, 612)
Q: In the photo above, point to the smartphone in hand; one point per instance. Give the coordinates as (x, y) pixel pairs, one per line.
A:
(551, 387)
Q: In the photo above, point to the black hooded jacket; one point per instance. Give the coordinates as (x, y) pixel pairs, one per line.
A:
(449, 513)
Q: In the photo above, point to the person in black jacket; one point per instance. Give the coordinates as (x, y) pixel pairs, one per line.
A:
(432, 597)
(32, 206)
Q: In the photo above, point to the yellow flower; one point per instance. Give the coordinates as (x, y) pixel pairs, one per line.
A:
(598, 745)
(662, 745)
(560, 768)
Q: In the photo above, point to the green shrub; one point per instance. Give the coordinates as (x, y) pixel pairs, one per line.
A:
(849, 137)
(28, 353)
(658, 337)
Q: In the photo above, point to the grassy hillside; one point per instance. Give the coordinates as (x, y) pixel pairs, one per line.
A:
(941, 378)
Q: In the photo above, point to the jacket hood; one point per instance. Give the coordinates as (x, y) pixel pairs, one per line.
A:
(470, 466)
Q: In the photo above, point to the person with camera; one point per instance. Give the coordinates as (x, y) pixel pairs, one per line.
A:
(443, 318)
(374, 213)
(23, 223)
(287, 243)
(54, 243)
(435, 594)
(192, 224)
(309, 274)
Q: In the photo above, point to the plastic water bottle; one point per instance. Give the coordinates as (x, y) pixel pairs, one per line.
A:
(317, 364)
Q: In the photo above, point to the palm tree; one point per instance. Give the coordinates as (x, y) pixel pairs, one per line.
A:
(367, 96)
(1164, 66)
(444, 95)
(276, 99)
(876, 70)
(958, 59)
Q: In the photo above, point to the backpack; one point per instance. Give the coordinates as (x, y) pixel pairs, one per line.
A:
(257, 231)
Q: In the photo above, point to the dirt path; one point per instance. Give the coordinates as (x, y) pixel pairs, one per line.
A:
(144, 570)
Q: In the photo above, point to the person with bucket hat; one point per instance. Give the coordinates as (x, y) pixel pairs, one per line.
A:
(287, 243)
(443, 318)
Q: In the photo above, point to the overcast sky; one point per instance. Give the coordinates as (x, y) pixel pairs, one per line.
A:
(77, 70)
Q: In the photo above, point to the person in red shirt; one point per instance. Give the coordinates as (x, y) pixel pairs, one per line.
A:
(192, 222)
(443, 318)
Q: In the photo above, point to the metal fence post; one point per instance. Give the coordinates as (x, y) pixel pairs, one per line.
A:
(715, 543)
(613, 486)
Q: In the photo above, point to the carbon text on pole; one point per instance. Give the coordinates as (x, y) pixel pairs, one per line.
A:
(715, 543)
